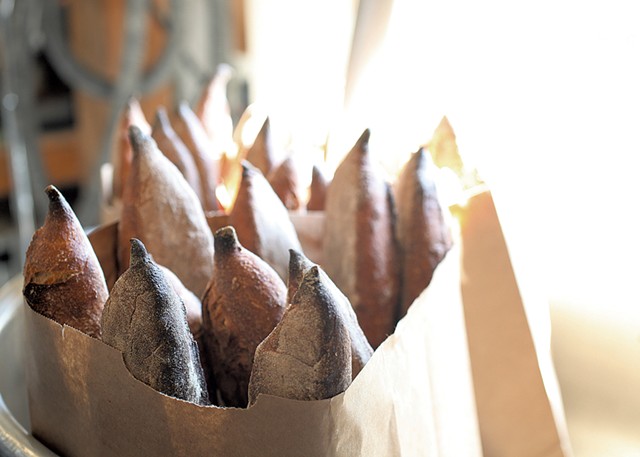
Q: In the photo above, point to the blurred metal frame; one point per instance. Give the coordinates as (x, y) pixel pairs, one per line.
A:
(18, 35)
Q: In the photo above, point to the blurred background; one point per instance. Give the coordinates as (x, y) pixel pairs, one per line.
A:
(543, 98)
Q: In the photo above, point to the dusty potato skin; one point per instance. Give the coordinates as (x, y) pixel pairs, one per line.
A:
(191, 131)
(213, 108)
(192, 304)
(146, 320)
(361, 350)
(422, 231)
(308, 355)
(175, 150)
(317, 190)
(360, 249)
(261, 154)
(243, 303)
(285, 182)
(262, 222)
(122, 155)
(62, 277)
(160, 208)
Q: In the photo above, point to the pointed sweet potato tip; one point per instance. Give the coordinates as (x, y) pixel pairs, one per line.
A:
(162, 118)
(224, 71)
(226, 240)
(122, 155)
(184, 110)
(214, 97)
(53, 193)
(444, 149)
(133, 114)
(359, 153)
(298, 265)
(56, 201)
(285, 181)
(139, 253)
(312, 275)
(137, 138)
(363, 141)
(266, 127)
(248, 169)
(63, 279)
(261, 154)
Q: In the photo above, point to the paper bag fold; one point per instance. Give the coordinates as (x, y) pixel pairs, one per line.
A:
(517, 407)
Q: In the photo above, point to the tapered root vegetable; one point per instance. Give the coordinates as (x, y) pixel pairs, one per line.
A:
(175, 150)
(262, 222)
(62, 277)
(214, 111)
(360, 250)
(261, 154)
(243, 303)
(146, 320)
(308, 354)
(423, 233)
(122, 155)
(161, 209)
(317, 190)
(190, 130)
(361, 350)
(285, 181)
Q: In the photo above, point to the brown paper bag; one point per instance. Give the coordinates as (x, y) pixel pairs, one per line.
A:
(519, 406)
(413, 398)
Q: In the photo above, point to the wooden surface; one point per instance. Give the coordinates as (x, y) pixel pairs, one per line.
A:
(59, 152)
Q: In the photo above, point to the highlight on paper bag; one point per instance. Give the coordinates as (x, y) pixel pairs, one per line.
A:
(519, 406)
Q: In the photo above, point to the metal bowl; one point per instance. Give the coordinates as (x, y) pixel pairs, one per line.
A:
(15, 438)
